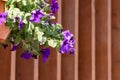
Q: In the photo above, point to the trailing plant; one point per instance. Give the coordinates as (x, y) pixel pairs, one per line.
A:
(32, 25)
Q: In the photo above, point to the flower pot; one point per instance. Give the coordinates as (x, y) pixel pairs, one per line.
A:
(4, 31)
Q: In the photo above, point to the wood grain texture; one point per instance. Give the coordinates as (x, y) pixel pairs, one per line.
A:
(48, 70)
(5, 66)
(93, 41)
(59, 20)
(115, 39)
(5, 57)
(76, 34)
(68, 22)
(85, 23)
(24, 68)
(102, 39)
(90, 22)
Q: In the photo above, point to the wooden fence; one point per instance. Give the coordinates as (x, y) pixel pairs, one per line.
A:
(96, 26)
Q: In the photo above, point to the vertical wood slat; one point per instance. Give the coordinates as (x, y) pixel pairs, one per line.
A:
(85, 66)
(93, 35)
(48, 70)
(76, 39)
(68, 22)
(5, 62)
(13, 66)
(24, 68)
(5, 56)
(115, 39)
(109, 39)
(59, 19)
(36, 69)
(103, 40)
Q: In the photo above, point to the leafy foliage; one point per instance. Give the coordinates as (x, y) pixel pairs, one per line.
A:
(32, 23)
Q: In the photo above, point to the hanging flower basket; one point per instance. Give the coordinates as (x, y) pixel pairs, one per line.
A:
(4, 31)
(30, 24)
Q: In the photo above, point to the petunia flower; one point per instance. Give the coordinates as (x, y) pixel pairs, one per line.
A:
(14, 47)
(20, 24)
(36, 16)
(65, 47)
(3, 17)
(26, 55)
(54, 6)
(45, 54)
(67, 35)
(68, 43)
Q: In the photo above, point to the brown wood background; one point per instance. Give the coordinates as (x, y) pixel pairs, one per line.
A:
(96, 26)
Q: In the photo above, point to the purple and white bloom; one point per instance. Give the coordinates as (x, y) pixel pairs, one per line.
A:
(20, 24)
(65, 47)
(68, 43)
(3, 17)
(54, 6)
(67, 35)
(26, 55)
(45, 54)
(36, 16)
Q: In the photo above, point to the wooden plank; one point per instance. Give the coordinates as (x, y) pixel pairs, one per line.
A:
(5, 63)
(13, 66)
(24, 68)
(109, 39)
(5, 57)
(76, 38)
(93, 37)
(103, 40)
(85, 23)
(36, 69)
(48, 70)
(115, 39)
(68, 21)
(59, 19)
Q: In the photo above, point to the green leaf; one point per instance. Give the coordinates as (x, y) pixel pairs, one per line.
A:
(17, 39)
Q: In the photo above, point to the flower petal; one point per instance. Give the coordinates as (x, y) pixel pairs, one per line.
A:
(26, 55)
(45, 54)
(20, 24)
(54, 6)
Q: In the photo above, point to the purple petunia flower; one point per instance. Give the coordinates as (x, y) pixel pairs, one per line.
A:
(14, 47)
(20, 24)
(3, 17)
(54, 6)
(36, 16)
(26, 55)
(45, 54)
(67, 35)
(68, 43)
(65, 47)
